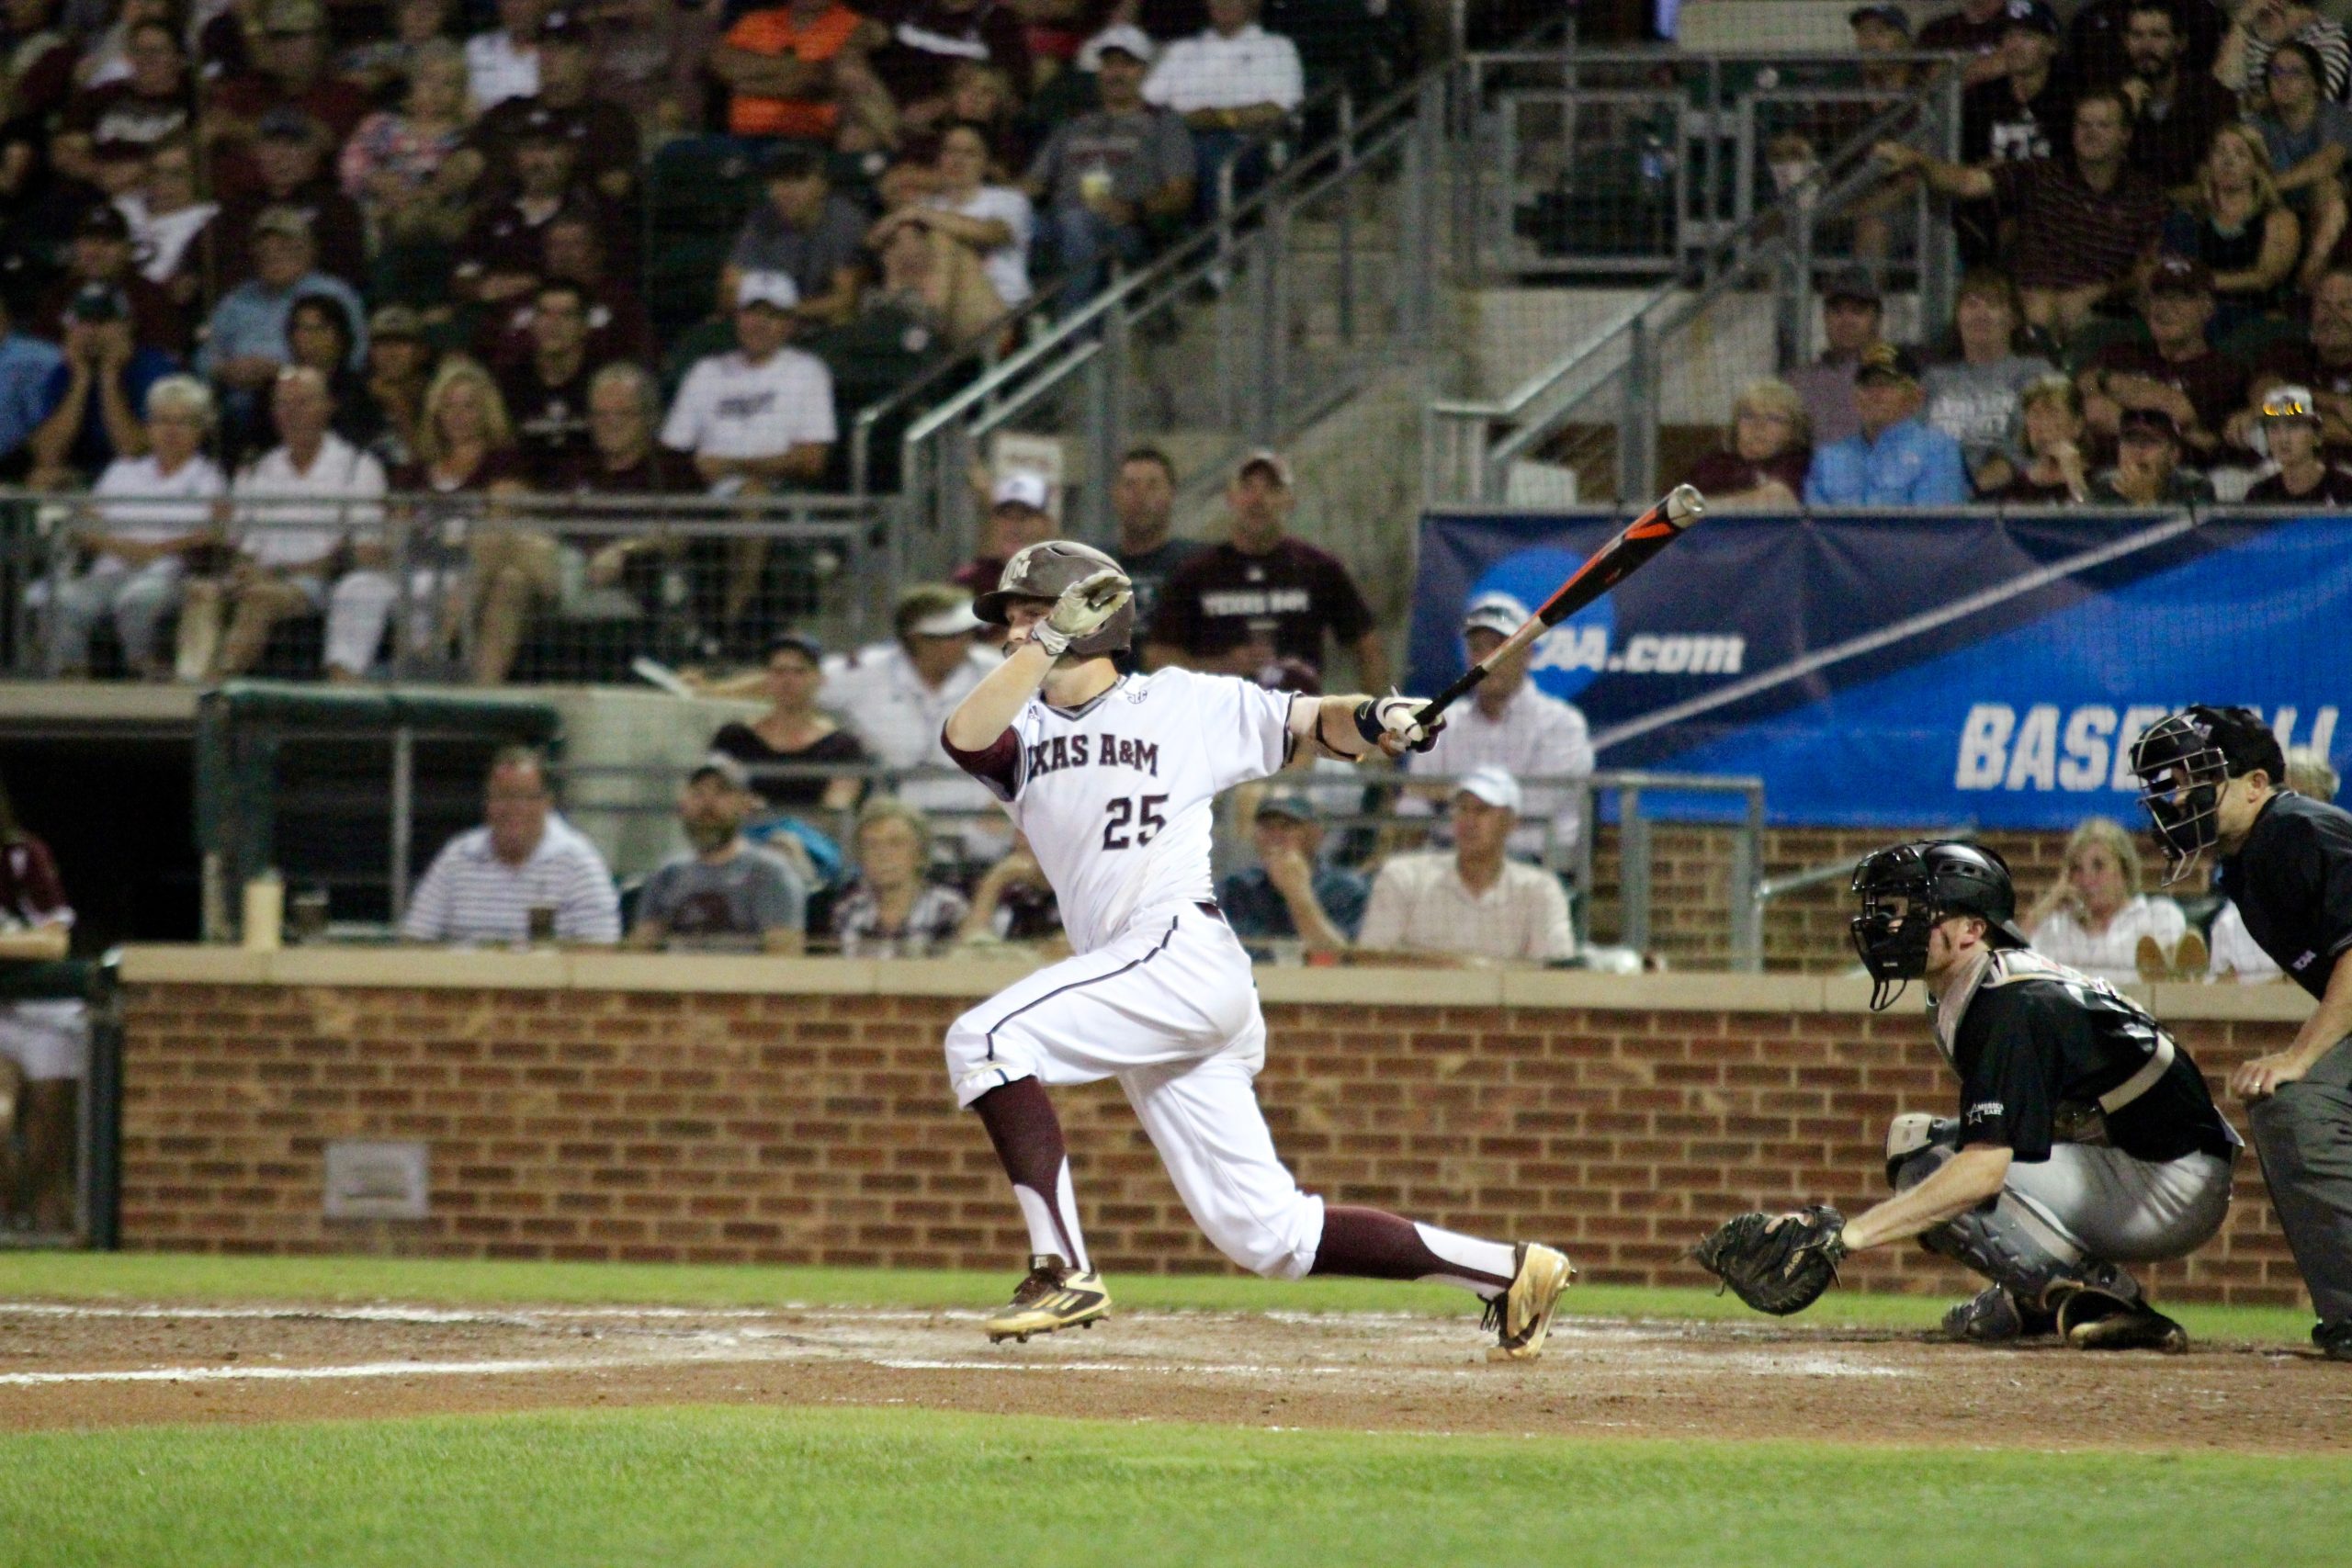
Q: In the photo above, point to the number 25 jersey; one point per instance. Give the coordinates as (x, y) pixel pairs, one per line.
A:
(1115, 796)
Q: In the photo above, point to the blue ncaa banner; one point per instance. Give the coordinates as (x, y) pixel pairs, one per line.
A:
(1907, 669)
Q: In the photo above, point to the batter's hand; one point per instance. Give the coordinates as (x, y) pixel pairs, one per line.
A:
(1082, 608)
(2261, 1077)
(1393, 724)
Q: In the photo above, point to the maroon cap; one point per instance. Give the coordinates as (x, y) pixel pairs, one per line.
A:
(2179, 275)
(2151, 422)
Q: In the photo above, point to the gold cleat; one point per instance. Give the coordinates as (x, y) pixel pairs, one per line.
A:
(1522, 1315)
(1054, 1296)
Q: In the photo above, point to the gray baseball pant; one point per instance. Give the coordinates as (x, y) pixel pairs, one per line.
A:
(2304, 1134)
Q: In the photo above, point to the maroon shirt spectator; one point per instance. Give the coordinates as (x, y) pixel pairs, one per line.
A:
(131, 114)
(603, 135)
(2178, 370)
(101, 252)
(290, 160)
(505, 251)
(1729, 473)
(651, 58)
(547, 391)
(2176, 110)
(571, 249)
(1975, 30)
(294, 73)
(37, 61)
(2096, 55)
(2320, 360)
(2071, 232)
(929, 37)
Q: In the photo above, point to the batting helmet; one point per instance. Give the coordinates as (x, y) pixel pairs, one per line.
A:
(1041, 571)
(1906, 888)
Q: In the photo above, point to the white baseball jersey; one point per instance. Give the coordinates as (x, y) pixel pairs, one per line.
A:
(1115, 796)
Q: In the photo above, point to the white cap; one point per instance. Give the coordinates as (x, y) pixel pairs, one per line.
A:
(775, 288)
(1494, 612)
(1021, 487)
(1492, 785)
(953, 622)
(1125, 36)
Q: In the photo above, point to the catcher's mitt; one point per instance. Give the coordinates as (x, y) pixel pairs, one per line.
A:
(1776, 1263)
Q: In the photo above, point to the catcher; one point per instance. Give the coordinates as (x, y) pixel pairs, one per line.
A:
(2085, 1139)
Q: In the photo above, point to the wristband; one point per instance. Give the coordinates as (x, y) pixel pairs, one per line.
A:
(1368, 725)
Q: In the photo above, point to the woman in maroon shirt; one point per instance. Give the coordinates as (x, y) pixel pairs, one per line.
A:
(1767, 448)
(465, 451)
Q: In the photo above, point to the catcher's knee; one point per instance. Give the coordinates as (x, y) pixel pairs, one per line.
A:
(1916, 1145)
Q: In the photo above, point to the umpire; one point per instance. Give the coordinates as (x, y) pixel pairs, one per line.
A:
(2210, 780)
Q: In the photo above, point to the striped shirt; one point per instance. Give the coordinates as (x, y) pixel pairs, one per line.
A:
(931, 927)
(470, 894)
(2069, 235)
(2325, 38)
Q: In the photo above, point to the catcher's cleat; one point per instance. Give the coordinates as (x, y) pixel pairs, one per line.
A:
(1054, 1296)
(2092, 1320)
(1993, 1316)
(2333, 1340)
(1522, 1315)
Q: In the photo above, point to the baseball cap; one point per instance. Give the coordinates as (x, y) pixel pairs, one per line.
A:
(2290, 402)
(1127, 39)
(284, 123)
(775, 289)
(541, 123)
(290, 223)
(564, 27)
(1021, 487)
(293, 16)
(801, 643)
(2149, 422)
(1493, 785)
(1887, 361)
(1853, 283)
(1265, 458)
(720, 764)
(1494, 612)
(102, 220)
(2179, 275)
(97, 302)
(1289, 805)
(953, 621)
(1893, 16)
(396, 320)
(2033, 16)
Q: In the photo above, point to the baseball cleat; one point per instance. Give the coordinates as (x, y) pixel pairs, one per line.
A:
(1522, 1315)
(2333, 1340)
(2092, 1320)
(1054, 1296)
(1993, 1316)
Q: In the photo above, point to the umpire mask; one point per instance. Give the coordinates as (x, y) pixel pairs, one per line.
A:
(1906, 888)
(2183, 760)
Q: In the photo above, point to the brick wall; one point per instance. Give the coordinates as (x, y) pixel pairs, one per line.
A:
(586, 1124)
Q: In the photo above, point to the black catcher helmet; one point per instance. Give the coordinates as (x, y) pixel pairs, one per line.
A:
(1906, 888)
(2183, 760)
(1041, 571)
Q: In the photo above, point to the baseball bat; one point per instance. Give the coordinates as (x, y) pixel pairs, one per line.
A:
(1602, 570)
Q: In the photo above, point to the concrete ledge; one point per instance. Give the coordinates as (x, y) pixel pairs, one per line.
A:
(553, 969)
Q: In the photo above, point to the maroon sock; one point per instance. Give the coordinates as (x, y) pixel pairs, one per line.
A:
(1028, 1138)
(1373, 1244)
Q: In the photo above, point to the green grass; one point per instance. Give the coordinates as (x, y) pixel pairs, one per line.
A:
(741, 1486)
(137, 1276)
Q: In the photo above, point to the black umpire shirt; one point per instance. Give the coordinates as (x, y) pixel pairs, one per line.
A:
(2291, 881)
(2033, 1036)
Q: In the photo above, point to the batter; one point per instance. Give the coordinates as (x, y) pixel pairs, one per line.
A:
(1111, 778)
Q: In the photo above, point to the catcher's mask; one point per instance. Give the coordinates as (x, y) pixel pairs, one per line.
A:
(2183, 760)
(1041, 571)
(1906, 888)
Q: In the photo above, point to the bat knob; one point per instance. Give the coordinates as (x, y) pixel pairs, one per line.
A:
(1684, 503)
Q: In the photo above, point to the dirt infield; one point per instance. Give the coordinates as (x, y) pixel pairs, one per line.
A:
(85, 1366)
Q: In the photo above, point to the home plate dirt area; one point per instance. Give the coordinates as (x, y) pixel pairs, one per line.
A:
(100, 1365)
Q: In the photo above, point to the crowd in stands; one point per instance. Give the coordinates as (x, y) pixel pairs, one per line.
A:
(2157, 302)
(466, 223)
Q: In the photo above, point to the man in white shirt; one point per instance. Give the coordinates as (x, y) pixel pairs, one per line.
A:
(1475, 902)
(895, 696)
(1233, 82)
(505, 61)
(486, 883)
(296, 507)
(1511, 725)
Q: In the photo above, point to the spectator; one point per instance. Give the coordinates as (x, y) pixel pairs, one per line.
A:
(1013, 901)
(1276, 596)
(892, 910)
(2024, 111)
(100, 253)
(2177, 370)
(1476, 902)
(244, 344)
(318, 334)
(27, 364)
(1143, 500)
(1977, 30)
(652, 58)
(93, 394)
(151, 100)
(290, 158)
(794, 731)
(804, 70)
(293, 75)
(1232, 82)
(1767, 448)
(383, 65)
(504, 248)
(622, 459)
(1018, 517)
(400, 166)
(2303, 475)
(1880, 31)
(300, 507)
(547, 394)
(1511, 726)
(572, 248)
(808, 233)
(147, 512)
(1103, 178)
(1893, 460)
(1974, 399)
(465, 447)
(995, 221)
(936, 282)
(2234, 954)
(1852, 313)
(979, 94)
(2263, 26)
(169, 227)
(2096, 51)
(602, 135)
(503, 62)
(48, 1042)
(2307, 137)
(1291, 895)
(762, 416)
(487, 884)
(2148, 470)
(896, 696)
(2052, 473)
(2094, 918)
(929, 38)
(2174, 108)
(400, 369)
(2083, 221)
(722, 893)
(2320, 359)
(2238, 226)
(37, 67)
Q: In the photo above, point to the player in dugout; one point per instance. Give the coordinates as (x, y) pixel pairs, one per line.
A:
(1111, 778)
(2210, 780)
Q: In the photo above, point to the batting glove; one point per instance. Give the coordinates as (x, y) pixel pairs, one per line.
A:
(1082, 608)
(1393, 724)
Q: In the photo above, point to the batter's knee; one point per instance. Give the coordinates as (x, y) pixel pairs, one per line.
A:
(977, 1064)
